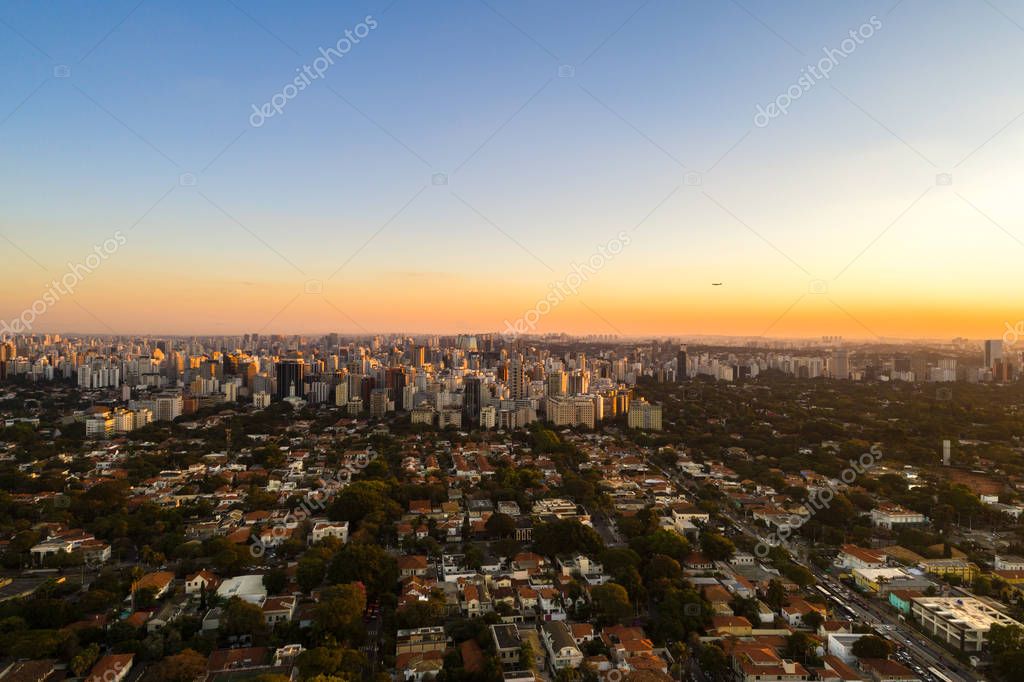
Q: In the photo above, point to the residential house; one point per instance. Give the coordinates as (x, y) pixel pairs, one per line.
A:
(560, 645)
(507, 643)
(158, 582)
(886, 670)
(200, 580)
(111, 668)
(852, 556)
(278, 610)
(795, 611)
(412, 565)
(328, 529)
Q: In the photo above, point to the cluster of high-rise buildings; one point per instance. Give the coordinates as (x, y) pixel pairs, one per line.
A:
(464, 381)
(851, 363)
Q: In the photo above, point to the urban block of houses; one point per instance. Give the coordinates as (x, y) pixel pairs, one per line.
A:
(69, 542)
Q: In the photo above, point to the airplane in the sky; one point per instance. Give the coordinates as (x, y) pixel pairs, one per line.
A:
(716, 284)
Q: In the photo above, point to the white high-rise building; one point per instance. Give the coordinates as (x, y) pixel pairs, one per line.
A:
(488, 417)
(517, 383)
(124, 420)
(341, 393)
(644, 415)
(840, 364)
(99, 426)
(169, 407)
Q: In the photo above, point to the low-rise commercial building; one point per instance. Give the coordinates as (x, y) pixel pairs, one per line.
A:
(962, 622)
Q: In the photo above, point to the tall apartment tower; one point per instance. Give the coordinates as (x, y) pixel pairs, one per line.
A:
(517, 382)
(558, 383)
(840, 364)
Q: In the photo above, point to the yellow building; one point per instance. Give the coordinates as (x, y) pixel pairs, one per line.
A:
(960, 568)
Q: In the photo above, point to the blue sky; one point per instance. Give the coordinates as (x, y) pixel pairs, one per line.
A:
(540, 168)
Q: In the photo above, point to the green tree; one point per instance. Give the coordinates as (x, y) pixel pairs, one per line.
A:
(243, 618)
(1006, 644)
(813, 620)
(364, 499)
(566, 536)
(310, 572)
(713, 660)
(365, 563)
(83, 660)
(871, 646)
(186, 666)
(275, 580)
(775, 595)
(800, 647)
(339, 612)
(662, 541)
(611, 603)
(716, 547)
(678, 613)
(500, 526)
(661, 567)
(618, 560)
(330, 661)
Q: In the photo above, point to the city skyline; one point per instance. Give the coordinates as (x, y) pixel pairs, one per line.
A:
(448, 171)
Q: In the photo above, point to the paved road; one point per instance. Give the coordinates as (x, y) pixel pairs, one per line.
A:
(923, 651)
(605, 527)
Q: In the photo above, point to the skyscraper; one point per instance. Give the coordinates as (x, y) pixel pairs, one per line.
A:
(472, 398)
(840, 364)
(394, 379)
(681, 372)
(993, 352)
(291, 374)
